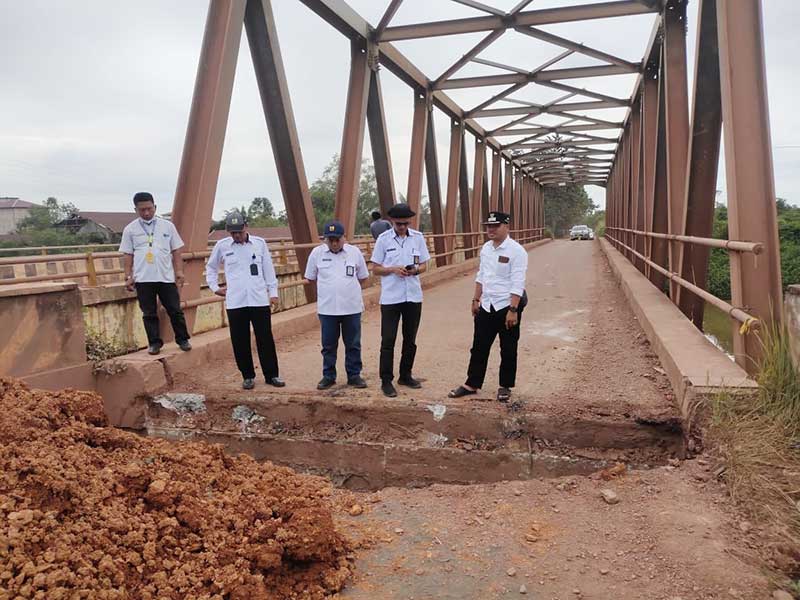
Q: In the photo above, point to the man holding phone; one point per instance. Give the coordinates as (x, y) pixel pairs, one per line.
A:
(400, 256)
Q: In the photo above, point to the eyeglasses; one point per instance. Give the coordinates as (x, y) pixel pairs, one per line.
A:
(401, 223)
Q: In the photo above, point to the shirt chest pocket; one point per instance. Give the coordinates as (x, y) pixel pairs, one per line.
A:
(503, 266)
(393, 257)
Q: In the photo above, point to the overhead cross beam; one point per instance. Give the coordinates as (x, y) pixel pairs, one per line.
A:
(602, 10)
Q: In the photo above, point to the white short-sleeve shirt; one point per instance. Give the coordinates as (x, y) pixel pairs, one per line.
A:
(158, 238)
(337, 276)
(249, 272)
(392, 250)
(502, 272)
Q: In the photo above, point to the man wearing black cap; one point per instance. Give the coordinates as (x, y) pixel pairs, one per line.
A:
(251, 286)
(497, 306)
(154, 268)
(339, 271)
(399, 256)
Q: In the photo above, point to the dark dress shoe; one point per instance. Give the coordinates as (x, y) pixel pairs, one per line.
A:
(409, 381)
(154, 349)
(248, 384)
(503, 394)
(357, 382)
(276, 382)
(325, 383)
(185, 345)
(388, 389)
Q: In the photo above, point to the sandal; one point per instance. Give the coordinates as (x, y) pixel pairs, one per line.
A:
(461, 391)
(503, 394)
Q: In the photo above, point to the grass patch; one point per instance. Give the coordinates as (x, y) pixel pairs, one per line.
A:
(758, 441)
(100, 349)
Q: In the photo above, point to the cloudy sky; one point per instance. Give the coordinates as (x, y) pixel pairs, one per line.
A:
(96, 93)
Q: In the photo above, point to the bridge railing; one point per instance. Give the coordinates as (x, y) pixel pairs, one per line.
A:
(87, 273)
(733, 312)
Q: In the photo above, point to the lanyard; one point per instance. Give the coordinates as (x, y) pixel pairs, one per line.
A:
(148, 234)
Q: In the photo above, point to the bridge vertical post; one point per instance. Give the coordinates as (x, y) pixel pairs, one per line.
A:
(417, 157)
(379, 142)
(434, 192)
(703, 160)
(649, 152)
(484, 198)
(205, 137)
(355, 117)
(625, 188)
(752, 213)
(508, 186)
(494, 194)
(453, 176)
(676, 103)
(516, 199)
(660, 200)
(477, 189)
(277, 105)
(464, 200)
(636, 180)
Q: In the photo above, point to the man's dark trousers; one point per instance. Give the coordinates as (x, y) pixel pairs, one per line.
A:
(350, 326)
(391, 314)
(488, 325)
(239, 320)
(171, 301)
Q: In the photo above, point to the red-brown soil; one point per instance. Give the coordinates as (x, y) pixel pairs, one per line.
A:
(89, 510)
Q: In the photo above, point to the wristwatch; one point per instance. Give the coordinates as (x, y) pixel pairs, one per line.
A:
(513, 309)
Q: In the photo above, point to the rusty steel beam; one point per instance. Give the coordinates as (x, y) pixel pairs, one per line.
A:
(601, 10)
(434, 192)
(480, 6)
(417, 158)
(276, 102)
(464, 199)
(508, 186)
(703, 160)
(387, 17)
(496, 97)
(640, 191)
(453, 177)
(379, 142)
(660, 198)
(649, 155)
(484, 197)
(752, 214)
(635, 166)
(579, 48)
(583, 92)
(532, 111)
(205, 136)
(470, 54)
(355, 118)
(477, 188)
(544, 77)
(494, 194)
(548, 130)
(676, 102)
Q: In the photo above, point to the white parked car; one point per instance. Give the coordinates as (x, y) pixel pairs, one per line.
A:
(581, 232)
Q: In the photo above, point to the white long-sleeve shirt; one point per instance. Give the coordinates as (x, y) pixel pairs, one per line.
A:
(502, 273)
(244, 287)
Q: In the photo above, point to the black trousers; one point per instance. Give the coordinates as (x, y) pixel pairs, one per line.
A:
(239, 320)
(170, 298)
(488, 325)
(391, 314)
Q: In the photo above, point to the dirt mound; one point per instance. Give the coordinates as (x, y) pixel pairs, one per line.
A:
(84, 507)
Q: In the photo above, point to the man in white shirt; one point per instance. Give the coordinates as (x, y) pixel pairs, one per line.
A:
(497, 306)
(251, 286)
(339, 271)
(399, 257)
(154, 268)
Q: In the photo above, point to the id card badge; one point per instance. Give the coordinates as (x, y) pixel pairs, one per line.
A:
(149, 257)
(350, 270)
(416, 260)
(254, 269)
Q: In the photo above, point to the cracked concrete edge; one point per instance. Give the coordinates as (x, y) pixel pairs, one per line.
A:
(125, 394)
(697, 370)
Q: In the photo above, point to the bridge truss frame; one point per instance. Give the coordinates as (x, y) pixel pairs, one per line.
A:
(660, 175)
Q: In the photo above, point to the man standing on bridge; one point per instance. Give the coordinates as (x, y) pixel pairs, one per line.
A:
(378, 225)
(399, 256)
(154, 268)
(497, 306)
(339, 271)
(251, 287)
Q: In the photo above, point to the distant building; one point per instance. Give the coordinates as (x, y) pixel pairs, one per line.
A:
(102, 225)
(12, 211)
(268, 233)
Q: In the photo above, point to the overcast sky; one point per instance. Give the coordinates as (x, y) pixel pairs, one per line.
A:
(96, 93)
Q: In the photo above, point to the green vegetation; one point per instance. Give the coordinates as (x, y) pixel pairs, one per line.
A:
(565, 206)
(100, 349)
(757, 440)
(719, 276)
